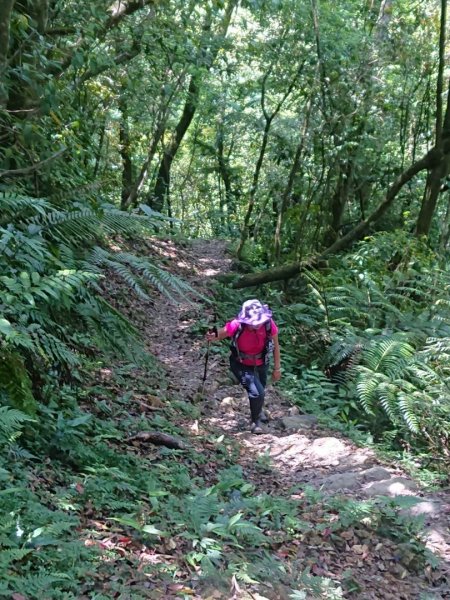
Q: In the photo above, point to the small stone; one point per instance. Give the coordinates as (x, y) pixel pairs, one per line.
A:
(228, 401)
(293, 411)
(360, 549)
(213, 386)
(398, 570)
(299, 422)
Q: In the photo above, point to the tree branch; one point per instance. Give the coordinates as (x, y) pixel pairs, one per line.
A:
(36, 166)
(431, 159)
(121, 9)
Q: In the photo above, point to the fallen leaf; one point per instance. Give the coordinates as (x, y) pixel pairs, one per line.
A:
(171, 544)
(360, 549)
(155, 401)
(235, 586)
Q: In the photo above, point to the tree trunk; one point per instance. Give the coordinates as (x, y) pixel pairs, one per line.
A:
(156, 201)
(137, 186)
(125, 153)
(6, 7)
(445, 233)
(211, 48)
(339, 200)
(41, 15)
(384, 19)
(225, 174)
(435, 176)
(254, 188)
(98, 154)
(431, 195)
(288, 190)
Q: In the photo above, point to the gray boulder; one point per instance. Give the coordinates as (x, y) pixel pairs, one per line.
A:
(299, 422)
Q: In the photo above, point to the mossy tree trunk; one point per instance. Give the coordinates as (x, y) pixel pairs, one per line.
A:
(6, 7)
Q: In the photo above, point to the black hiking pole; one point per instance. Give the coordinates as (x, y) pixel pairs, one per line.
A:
(205, 371)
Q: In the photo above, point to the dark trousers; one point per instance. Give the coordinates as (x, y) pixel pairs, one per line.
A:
(254, 380)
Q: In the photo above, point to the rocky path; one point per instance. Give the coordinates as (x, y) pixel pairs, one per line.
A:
(298, 451)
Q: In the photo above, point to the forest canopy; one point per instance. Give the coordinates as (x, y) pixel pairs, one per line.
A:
(301, 126)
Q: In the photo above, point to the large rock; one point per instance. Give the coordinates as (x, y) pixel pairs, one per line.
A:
(342, 481)
(396, 486)
(228, 404)
(299, 422)
(425, 507)
(375, 474)
(327, 451)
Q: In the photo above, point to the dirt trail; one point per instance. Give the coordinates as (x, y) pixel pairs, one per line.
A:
(298, 450)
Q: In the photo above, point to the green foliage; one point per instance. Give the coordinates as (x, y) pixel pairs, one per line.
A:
(15, 383)
(381, 344)
(11, 421)
(354, 107)
(139, 273)
(53, 310)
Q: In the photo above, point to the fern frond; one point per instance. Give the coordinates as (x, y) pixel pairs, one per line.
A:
(388, 356)
(366, 387)
(387, 396)
(55, 350)
(407, 409)
(137, 272)
(13, 206)
(201, 509)
(7, 557)
(11, 421)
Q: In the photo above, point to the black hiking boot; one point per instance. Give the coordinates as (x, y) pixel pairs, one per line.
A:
(264, 417)
(256, 427)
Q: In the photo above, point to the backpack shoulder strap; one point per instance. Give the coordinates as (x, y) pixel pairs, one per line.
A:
(238, 332)
(234, 339)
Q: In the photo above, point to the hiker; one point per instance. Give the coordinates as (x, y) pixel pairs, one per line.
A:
(254, 336)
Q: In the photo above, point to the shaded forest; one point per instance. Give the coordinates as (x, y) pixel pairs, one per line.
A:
(310, 136)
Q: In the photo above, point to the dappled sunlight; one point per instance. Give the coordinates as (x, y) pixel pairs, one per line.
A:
(398, 486)
(210, 267)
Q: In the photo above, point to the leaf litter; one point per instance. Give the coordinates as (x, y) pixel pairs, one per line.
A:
(294, 538)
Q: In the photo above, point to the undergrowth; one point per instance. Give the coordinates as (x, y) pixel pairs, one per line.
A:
(365, 346)
(87, 513)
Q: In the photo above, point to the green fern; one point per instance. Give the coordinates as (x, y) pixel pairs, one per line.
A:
(389, 356)
(201, 509)
(138, 273)
(55, 350)
(41, 584)
(379, 379)
(8, 557)
(52, 303)
(13, 206)
(11, 421)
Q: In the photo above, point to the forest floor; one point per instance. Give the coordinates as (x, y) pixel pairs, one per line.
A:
(294, 457)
